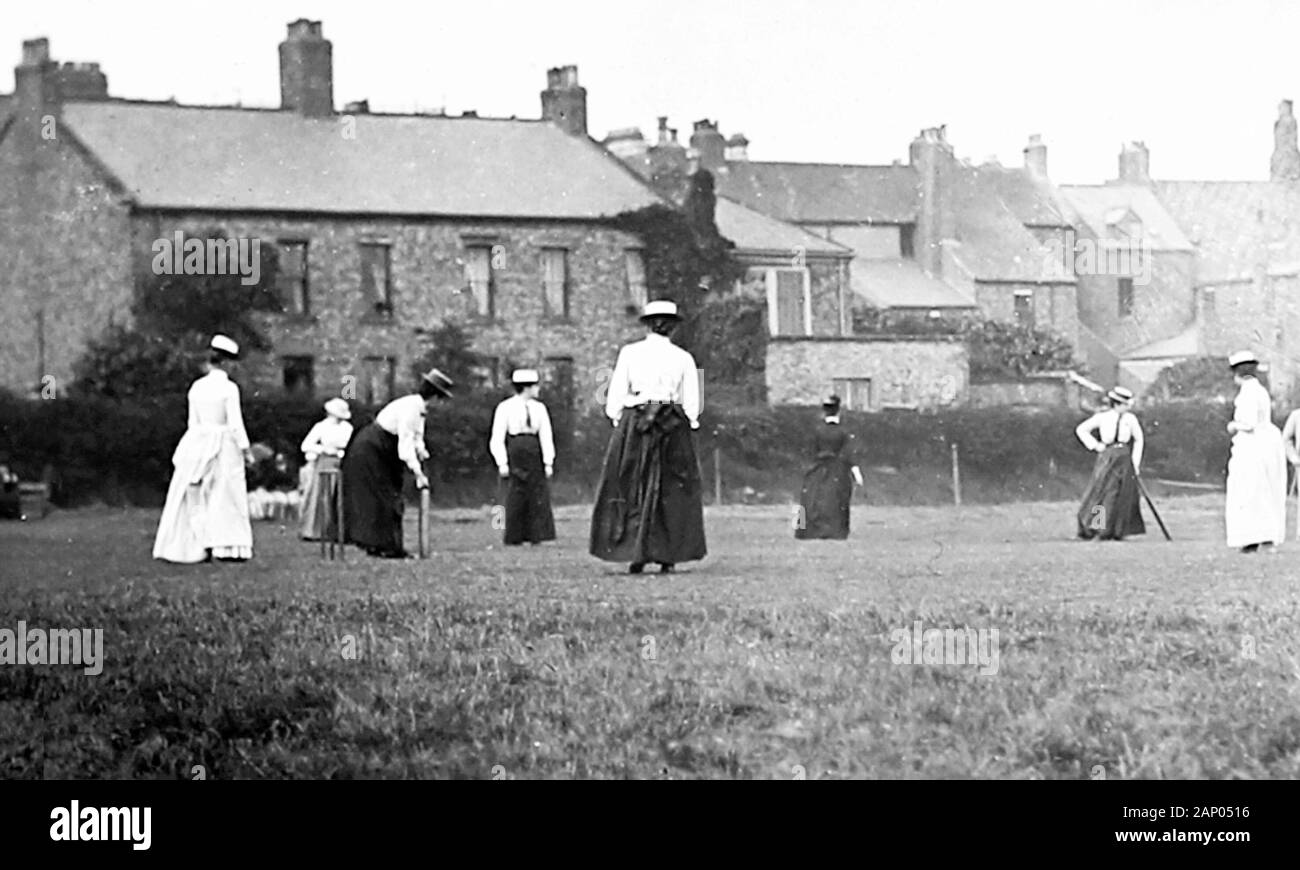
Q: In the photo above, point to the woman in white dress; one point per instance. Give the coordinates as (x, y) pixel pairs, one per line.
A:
(206, 514)
(323, 447)
(1255, 512)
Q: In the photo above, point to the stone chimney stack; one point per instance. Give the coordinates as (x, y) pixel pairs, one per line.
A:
(1036, 157)
(709, 144)
(1135, 163)
(737, 148)
(669, 165)
(931, 157)
(564, 102)
(307, 70)
(1285, 165)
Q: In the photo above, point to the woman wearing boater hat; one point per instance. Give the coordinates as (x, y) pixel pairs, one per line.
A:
(828, 485)
(324, 447)
(648, 507)
(373, 464)
(523, 447)
(206, 513)
(1111, 510)
(1255, 509)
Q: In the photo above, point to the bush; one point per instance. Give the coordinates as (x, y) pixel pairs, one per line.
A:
(1199, 379)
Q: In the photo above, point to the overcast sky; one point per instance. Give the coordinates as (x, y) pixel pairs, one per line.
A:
(827, 81)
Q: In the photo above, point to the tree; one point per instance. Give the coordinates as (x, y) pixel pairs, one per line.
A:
(1203, 378)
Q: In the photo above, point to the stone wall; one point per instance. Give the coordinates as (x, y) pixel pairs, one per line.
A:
(1035, 390)
(1162, 307)
(1054, 306)
(64, 259)
(428, 287)
(904, 371)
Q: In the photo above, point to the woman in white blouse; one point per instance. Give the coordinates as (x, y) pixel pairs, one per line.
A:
(1111, 509)
(373, 467)
(324, 447)
(206, 513)
(1255, 508)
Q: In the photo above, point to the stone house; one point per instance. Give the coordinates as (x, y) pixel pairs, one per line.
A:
(385, 225)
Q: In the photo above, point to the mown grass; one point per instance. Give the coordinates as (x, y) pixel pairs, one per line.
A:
(770, 659)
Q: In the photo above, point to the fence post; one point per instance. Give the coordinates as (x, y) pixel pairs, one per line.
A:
(717, 475)
(956, 477)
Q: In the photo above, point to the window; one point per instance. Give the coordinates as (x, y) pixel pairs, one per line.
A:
(1125, 290)
(299, 375)
(854, 393)
(478, 278)
(1024, 308)
(294, 294)
(376, 278)
(789, 308)
(637, 295)
(555, 282)
(377, 383)
(906, 236)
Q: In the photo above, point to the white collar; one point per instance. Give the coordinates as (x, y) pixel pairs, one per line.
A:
(656, 337)
(835, 418)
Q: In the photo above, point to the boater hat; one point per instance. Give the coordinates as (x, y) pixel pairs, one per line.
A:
(524, 377)
(1241, 357)
(440, 382)
(225, 345)
(338, 408)
(1119, 394)
(661, 308)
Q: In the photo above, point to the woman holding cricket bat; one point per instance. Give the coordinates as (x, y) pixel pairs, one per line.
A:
(1255, 509)
(373, 465)
(1110, 510)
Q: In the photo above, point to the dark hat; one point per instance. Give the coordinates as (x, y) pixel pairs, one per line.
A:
(831, 401)
(440, 382)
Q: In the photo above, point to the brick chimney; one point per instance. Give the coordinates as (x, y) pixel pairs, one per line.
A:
(1135, 163)
(669, 165)
(737, 148)
(564, 102)
(1036, 157)
(931, 157)
(1285, 165)
(709, 144)
(307, 70)
(42, 84)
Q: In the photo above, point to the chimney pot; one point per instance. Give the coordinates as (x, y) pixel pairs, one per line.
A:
(564, 102)
(357, 107)
(36, 51)
(1036, 156)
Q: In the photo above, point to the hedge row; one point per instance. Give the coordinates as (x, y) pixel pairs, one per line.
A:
(120, 452)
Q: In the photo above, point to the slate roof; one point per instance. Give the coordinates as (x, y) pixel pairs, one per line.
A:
(1233, 223)
(901, 283)
(262, 160)
(1034, 202)
(990, 241)
(1095, 204)
(823, 192)
(756, 232)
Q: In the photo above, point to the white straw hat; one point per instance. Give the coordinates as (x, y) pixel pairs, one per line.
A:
(338, 408)
(524, 377)
(1242, 356)
(224, 344)
(661, 308)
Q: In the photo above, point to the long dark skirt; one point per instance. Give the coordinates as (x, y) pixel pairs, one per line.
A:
(824, 502)
(528, 493)
(372, 491)
(1110, 508)
(648, 507)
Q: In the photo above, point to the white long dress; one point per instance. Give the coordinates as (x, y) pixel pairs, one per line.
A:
(1256, 504)
(207, 501)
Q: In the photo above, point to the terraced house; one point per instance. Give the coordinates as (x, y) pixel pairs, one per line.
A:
(386, 225)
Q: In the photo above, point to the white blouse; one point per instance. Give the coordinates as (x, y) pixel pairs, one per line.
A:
(214, 402)
(520, 416)
(329, 437)
(1253, 407)
(1113, 427)
(654, 370)
(404, 418)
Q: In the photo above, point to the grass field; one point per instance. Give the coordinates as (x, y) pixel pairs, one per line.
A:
(770, 659)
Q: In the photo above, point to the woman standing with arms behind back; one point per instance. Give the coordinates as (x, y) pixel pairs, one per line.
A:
(828, 485)
(206, 514)
(1255, 509)
(1110, 508)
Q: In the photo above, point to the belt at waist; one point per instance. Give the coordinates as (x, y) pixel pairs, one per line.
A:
(521, 435)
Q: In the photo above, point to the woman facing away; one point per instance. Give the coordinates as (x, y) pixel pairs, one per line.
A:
(1255, 508)
(828, 485)
(206, 513)
(324, 447)
(1110, 509)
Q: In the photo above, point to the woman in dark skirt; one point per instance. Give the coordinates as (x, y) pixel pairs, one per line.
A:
(1110, 509)
(523, 448)
(828, 485)
(373, 464)
(648, 506)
